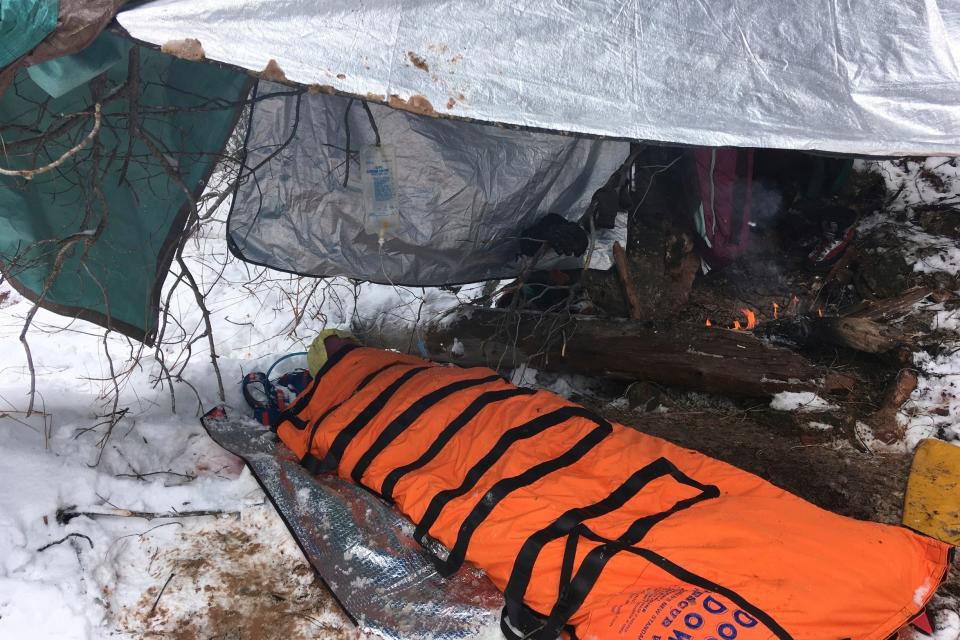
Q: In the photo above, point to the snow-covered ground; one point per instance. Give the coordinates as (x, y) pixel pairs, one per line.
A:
(126, 577)
(104, 579)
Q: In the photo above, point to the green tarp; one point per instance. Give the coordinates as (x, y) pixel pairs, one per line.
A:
(23, 24)
(187, 109)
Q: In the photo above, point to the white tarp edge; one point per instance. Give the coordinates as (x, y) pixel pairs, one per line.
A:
(877, 77)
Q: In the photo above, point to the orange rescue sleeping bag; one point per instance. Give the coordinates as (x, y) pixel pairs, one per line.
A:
(594, 528)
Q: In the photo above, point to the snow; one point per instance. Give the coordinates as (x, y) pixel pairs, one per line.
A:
(946, 320)
(933, 410)
(802, 401)
(524, 377)
(947, 625)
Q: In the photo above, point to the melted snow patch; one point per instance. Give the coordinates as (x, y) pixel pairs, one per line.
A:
(946, 320)
(524, 377)
(802, 401)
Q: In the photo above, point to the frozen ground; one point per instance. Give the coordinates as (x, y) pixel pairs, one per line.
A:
(192, 577)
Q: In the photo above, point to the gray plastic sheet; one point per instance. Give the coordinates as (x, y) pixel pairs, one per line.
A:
(861, 77)
(363, 549)
(465, 191)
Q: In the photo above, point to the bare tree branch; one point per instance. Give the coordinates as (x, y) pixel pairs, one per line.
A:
(28, 174)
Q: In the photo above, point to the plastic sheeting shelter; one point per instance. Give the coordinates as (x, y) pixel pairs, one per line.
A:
(858, 78)
(862, 77)
(464, 191)
(116, 281)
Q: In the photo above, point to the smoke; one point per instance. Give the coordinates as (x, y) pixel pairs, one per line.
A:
(766, 204)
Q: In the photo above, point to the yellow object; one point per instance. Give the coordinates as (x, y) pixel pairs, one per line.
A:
(317, 353)
(932, 504)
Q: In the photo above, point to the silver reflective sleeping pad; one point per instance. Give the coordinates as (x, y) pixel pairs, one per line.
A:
(362, 548)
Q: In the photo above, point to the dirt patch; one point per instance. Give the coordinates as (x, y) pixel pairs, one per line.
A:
(418, 61)
(188, 49)
(416, 104)
(236, 580)
(273, 72)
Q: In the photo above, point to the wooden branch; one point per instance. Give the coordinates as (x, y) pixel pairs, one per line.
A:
(859, 334)
(887, 308)
(64, 539)
(28, 174)
(153, 609)
(67, 514)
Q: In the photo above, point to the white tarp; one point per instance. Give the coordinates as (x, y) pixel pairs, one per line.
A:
(862, 77)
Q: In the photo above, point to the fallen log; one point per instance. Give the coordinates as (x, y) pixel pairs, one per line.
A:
(700, 358)
(857, 333)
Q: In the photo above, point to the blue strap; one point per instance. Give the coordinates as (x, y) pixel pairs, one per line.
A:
(282, 358)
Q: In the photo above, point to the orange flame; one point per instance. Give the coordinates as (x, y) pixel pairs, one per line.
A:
(708, 323)
(736, 325)
(795, 301)
(820, 312)
(776, 311)
(751, 318)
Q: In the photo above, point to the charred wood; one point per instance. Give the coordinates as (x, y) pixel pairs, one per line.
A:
(860, 334)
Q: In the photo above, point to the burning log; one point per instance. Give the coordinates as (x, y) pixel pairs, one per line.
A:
(700, 358)
(860, 334)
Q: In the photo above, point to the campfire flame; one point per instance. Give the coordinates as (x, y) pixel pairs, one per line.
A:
(736, 325)
(776, 311)
(751, 318)
(820, 313)
(708, 323)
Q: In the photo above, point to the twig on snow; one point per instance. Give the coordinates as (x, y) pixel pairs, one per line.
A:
(67, 514)
(159, 595)
(64, 539)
